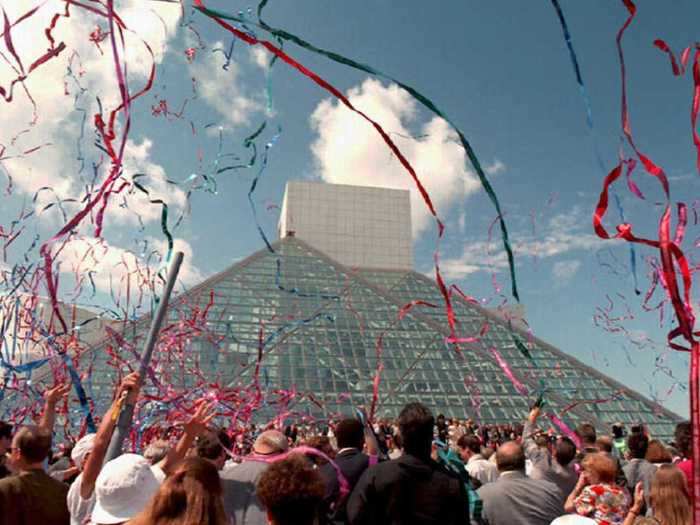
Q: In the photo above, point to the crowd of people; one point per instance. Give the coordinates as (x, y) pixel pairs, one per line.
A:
(416, 469)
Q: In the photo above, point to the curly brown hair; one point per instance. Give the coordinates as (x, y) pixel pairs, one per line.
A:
(291, 490)
(602, 465)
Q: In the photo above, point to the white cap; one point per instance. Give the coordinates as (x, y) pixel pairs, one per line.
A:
(81, 449)
(573, 519)
(123, 489)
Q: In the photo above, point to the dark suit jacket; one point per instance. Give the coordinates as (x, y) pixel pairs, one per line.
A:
(408, 491)
(352, 463)
(33, 498)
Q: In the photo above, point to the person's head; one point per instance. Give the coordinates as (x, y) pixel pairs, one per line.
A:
(657, 452)
(123, 489)
(322, 444)
(637, 443)
(618, 430)
(30, 447)
(156, 451)
(682, 436)
(670, 498)
(416, 424)
(604, 444)
(510, 457)
(564, 451)
(291, 491)
(587, 435)
(208, 447)
(487, 452)
(191, 494)
(468, 445)
(5, 437)
(82, 450)
(599, 468)
(541, 440)
(350, 433)
(270, 442)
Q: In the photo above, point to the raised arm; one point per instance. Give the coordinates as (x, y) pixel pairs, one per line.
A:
(529, 430)
(570, 504)
(51, 398)
(127, 392)
(637, 506)
(203, 414)
(370, 437)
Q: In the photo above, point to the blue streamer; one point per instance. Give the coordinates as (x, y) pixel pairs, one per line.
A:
(589, 121)
(227, 55)
(254, 184)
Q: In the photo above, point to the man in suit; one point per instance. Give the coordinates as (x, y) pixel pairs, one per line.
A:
(558, 467)
(32, 496)
(240, 498)
(516, 499)
(352, 462)
(639, 469)
(412, 489)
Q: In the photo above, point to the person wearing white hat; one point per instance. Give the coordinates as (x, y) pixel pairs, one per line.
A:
(80, 508)
(127, 483)
(89, 452)
(123, 489)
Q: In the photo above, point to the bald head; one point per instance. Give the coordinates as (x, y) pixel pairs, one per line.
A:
(271, 442)
(510, 457)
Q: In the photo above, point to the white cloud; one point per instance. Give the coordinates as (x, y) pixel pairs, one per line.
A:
(136, 161)
(260, 57)
(563, 234)
(55, 165)
(564, 271)
(495, 168)
(348, 149)
(221, 88)
(113, 266)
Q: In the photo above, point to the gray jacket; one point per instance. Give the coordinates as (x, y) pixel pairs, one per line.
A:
(516, 499)
(545, 467)
(240, 500)
(637, 470)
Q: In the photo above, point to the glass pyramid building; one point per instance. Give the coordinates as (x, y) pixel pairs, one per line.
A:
(322, 327)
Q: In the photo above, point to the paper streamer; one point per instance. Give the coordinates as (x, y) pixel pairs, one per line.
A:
(591, 129)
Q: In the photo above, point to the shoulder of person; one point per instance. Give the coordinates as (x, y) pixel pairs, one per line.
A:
(544, 484)
(10, 484)
(489, 490)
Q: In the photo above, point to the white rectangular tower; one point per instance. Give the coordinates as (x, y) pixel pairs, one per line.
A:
(357, 226)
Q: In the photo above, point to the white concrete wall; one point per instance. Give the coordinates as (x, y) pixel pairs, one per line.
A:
(355, 225)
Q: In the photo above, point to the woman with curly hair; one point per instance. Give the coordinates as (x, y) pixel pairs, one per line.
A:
(670, 499)
(291, 491)
(596, 495)
(192, 494)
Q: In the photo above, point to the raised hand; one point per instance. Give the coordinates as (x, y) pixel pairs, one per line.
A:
(130, 387)
(203, 414)
(534, 414)
(53, 395)
(582, 481)
(638, 496)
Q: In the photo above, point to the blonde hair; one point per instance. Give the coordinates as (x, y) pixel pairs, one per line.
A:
(669, 496)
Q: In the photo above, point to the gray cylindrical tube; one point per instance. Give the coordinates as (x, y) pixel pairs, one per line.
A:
(127, 412)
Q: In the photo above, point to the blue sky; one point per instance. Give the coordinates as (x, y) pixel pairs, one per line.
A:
(500, 70)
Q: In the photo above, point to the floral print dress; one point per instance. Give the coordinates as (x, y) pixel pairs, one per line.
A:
(606, 504)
